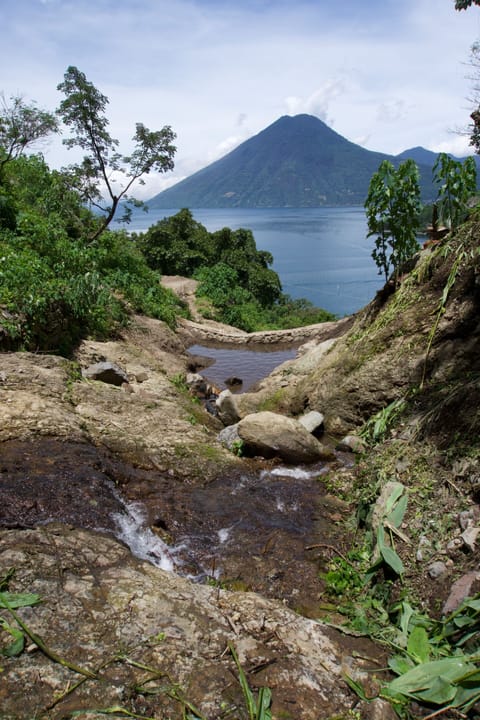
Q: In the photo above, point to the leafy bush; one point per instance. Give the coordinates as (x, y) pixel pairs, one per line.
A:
(55, 286)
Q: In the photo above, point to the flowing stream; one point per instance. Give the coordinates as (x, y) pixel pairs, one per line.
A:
(261, 530)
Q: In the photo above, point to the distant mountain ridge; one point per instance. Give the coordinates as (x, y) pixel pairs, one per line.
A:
(429, 158)
(296, 162)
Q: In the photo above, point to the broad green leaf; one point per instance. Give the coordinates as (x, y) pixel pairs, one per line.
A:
(398, 512)
(405, 617)
(397, 492)
(400, 664)
(16, 647)
(381, 538)
(392, 560)
(440, 692)
(418, 645)
(467, 696)
(422, 676)
(263, 705)
(16, 600)
(474, 604)
(356, 687)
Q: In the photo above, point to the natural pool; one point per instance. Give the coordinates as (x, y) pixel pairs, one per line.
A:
(249, 365)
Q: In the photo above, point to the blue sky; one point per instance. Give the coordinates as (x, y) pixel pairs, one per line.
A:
(386, 74)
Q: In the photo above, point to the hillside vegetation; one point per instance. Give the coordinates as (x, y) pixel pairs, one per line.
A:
(235, 277)
(56, 286)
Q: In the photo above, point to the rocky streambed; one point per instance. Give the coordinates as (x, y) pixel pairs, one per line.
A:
(225, 550)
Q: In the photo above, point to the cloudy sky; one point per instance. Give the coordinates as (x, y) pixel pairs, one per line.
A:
(386, 74)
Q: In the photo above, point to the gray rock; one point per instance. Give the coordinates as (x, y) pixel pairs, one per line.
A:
(312, 421)
(233, 381)
(437, 570)
(106, 372)
(271, 435)
(461, 589)
(111, 605)
(196, 382)
(352, 443)
(141, 377)
(469, 537)
(228, 436)
(466, 518)
(227, 408)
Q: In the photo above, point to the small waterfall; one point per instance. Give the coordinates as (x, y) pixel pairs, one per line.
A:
(144, 544)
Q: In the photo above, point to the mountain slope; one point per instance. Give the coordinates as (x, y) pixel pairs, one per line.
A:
(429, 158)
(295, 162)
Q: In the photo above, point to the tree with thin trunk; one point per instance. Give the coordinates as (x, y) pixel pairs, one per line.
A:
(103, 166)
(392, 208)
(22, 125)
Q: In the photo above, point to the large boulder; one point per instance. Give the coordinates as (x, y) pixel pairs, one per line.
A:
(272, 435)
(313, 422)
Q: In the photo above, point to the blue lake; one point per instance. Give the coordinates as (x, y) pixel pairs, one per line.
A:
(321, 254)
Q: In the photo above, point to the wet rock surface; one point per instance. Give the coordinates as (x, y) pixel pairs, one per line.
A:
(149, 639)
(47, 479)
(247, 530)
(250, 531)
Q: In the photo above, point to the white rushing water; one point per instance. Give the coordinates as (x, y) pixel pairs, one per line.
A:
(133, 529)
(144, 544)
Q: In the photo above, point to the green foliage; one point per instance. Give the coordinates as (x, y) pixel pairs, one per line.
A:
(83, 111)
(21, 126)
(258, 709)
(392, 207)
(234, 276)
(177, 245)
(55, 285)
(431, 660)
(12, 601)
(345, 576)
(377, 427)
(458, 182)
(464, 4)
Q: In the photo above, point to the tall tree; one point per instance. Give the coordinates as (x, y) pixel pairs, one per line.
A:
(21, 125)
(83, 111)
(392, 207)
(457, 184)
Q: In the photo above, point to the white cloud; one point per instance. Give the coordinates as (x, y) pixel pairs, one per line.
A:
(319, 101)
(457, 145)
(389, 73)
(392, 111)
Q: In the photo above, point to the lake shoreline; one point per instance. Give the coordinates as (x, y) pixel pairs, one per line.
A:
(320, 254)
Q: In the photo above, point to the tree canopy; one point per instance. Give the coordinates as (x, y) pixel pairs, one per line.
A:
(21, 126)
(103, 166)
(392, 207)
(464, 4)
